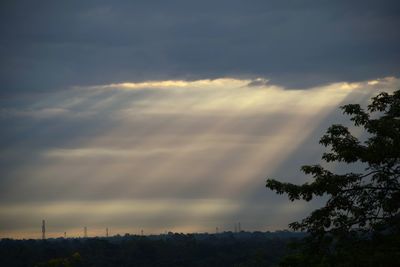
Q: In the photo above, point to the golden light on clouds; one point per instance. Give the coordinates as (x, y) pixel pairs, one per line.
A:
(186, 155)
(173, 84)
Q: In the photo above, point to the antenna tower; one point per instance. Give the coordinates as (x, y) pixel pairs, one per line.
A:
(43, 229)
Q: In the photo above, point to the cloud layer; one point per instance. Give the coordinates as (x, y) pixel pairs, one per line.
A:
(49, 45)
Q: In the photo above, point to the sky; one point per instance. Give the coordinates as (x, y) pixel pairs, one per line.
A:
(170, 115)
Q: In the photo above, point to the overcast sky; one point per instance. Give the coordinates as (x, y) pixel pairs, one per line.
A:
(169, 115)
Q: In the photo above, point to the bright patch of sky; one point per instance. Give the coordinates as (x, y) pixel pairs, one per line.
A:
(183, 156)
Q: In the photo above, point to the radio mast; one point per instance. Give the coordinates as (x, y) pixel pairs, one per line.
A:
(43, 229)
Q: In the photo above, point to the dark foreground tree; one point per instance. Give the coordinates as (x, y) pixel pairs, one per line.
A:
(360, 222)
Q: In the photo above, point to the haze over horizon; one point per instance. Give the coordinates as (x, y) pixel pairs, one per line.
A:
(170, 116)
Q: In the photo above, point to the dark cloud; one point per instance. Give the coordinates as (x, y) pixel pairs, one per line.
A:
(48, 45)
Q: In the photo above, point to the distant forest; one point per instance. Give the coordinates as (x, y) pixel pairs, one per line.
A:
(172, 249)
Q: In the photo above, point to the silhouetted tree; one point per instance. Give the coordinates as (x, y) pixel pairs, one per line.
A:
(73, 261)
(194, 250)
(360, 222)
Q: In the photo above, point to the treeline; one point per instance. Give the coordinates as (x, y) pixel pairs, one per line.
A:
(224, 249)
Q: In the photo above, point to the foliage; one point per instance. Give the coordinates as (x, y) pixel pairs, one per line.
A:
(223, 249)
(73, 261)
(360, 222)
